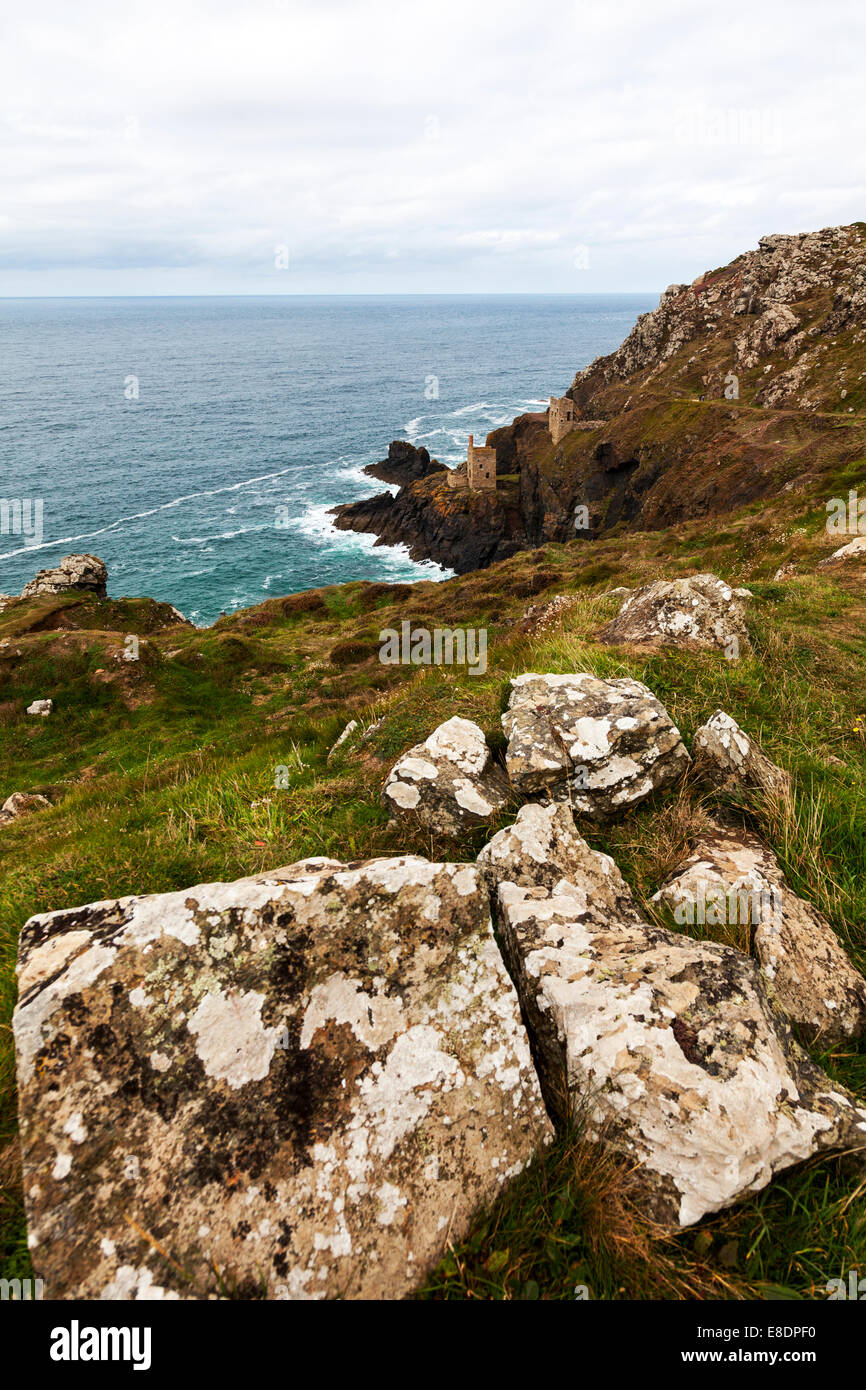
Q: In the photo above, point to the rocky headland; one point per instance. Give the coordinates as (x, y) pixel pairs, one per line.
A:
(744, 383)
(404, 465)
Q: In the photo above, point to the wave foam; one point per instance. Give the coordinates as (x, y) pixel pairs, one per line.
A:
(317, 525)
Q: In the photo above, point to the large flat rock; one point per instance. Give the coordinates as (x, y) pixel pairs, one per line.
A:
(299, 1086)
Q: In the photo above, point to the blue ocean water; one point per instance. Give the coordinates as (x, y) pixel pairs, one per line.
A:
(196, 444)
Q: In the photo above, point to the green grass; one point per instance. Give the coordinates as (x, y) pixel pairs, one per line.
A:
(164, 773)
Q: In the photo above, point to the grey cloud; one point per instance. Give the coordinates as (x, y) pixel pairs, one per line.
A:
(447, 147)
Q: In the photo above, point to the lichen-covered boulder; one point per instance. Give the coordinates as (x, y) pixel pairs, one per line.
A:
(85, 572)
(726, 757)
(542, 848)
(671, 1047)
(296, 1086)
(732, 880)
(603, 745)
(701, 611)
(449, 783)
(22, 804)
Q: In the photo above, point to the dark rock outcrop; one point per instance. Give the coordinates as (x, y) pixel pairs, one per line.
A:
(404, 464)
(469, 530)
(460, 530)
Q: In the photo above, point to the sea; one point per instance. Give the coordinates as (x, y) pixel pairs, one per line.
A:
(196, 445)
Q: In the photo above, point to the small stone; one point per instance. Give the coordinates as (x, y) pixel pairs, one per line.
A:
(22, 804)
(41, 707)
(703, 1244)
(729, 1254)
(725, 757)
(449, 783)
(347, 733)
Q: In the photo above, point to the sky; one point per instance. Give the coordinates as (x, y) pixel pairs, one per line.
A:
(458, 146)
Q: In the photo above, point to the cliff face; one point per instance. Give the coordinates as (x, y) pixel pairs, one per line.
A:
(466, 530)
(750, 380)
(785, 320)
(460, 530)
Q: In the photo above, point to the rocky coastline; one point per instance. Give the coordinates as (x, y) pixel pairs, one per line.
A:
(738, 385)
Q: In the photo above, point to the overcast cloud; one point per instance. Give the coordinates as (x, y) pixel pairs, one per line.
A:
(460, 145)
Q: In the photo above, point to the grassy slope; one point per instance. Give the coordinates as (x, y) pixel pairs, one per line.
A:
(162, 773)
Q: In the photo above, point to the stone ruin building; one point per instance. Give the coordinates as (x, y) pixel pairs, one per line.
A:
(563, 417)
(478, 473)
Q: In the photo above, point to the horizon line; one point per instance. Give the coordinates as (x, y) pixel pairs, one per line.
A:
(347, 294)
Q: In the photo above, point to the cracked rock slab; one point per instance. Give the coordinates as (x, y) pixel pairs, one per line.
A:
(726, 757)
(449, 783)
(297, 1086)
(672, 1047)
(603, 745)
(701, 611)
(733, 879)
